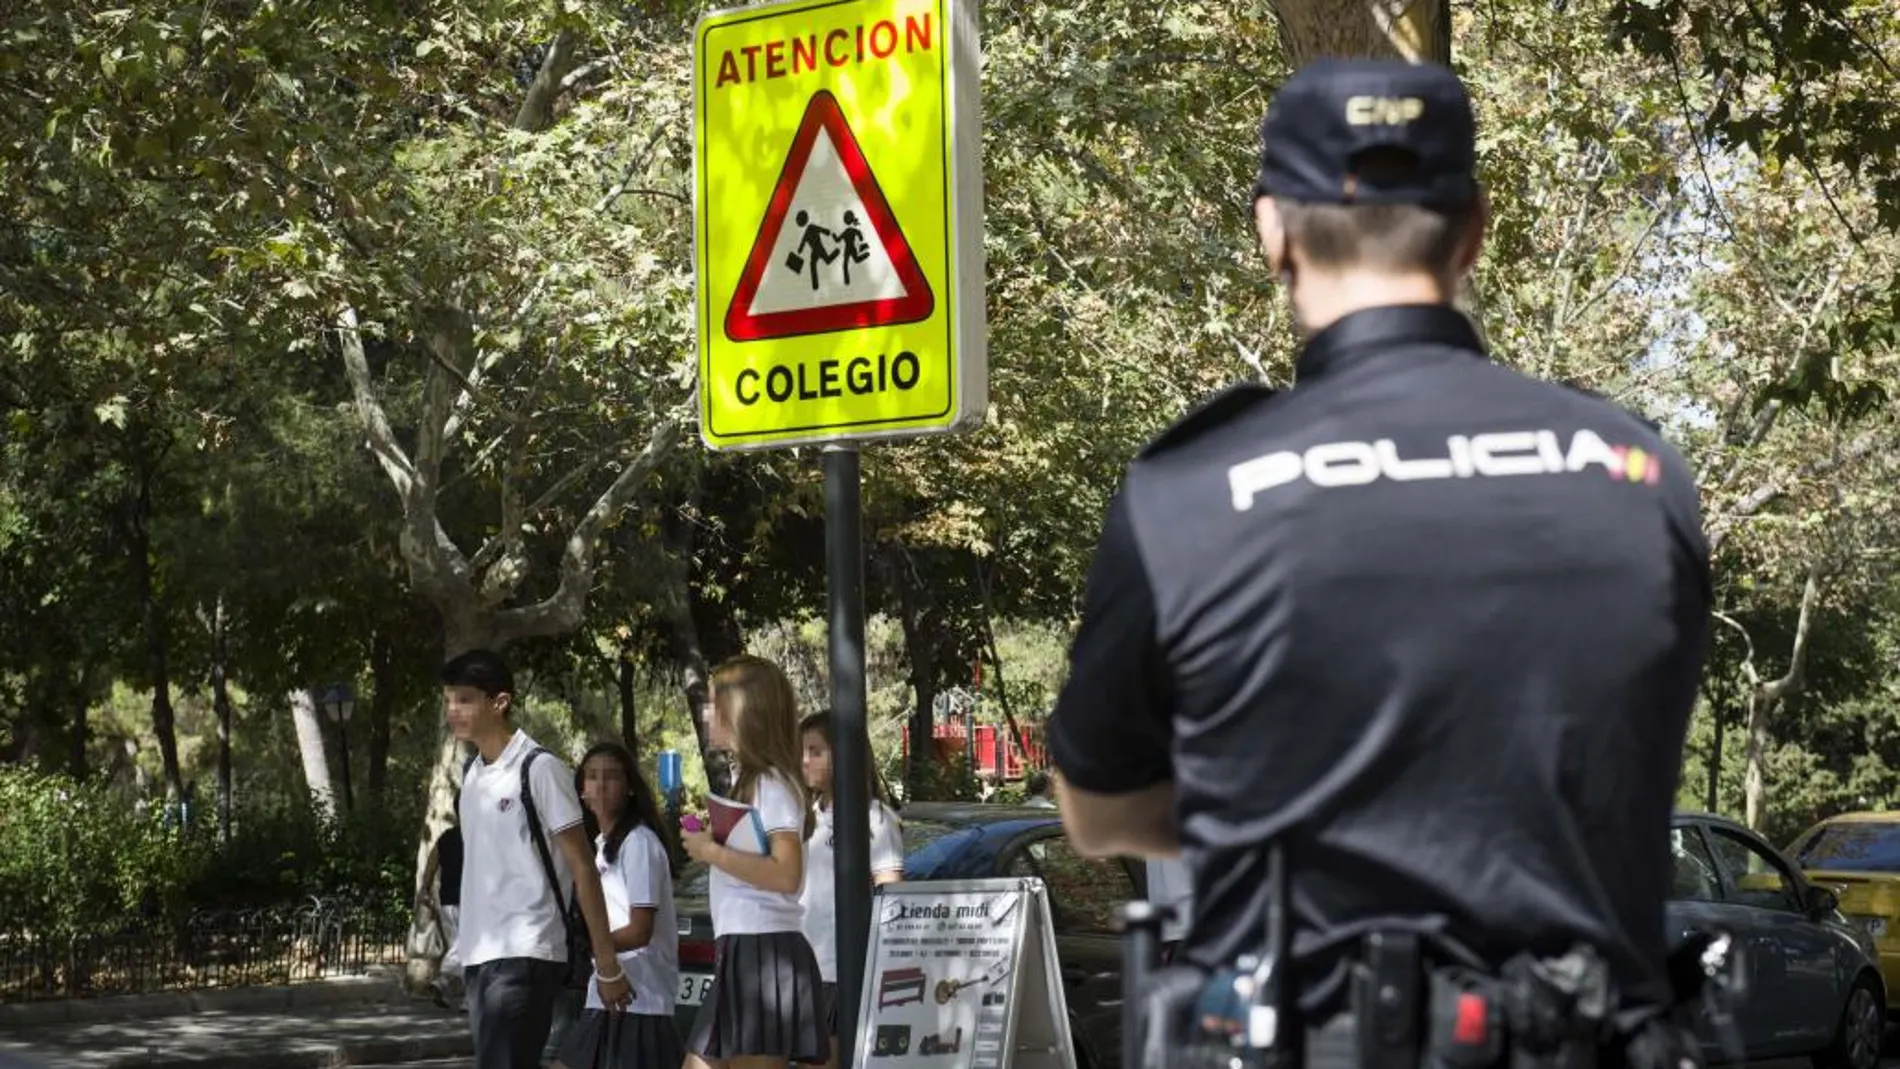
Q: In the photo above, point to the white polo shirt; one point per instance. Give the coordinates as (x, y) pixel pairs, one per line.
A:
(820, 896)
(738, 908)
(508, 910)
(641, 879)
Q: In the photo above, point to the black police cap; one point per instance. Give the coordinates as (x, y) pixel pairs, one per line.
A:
(1333, 112)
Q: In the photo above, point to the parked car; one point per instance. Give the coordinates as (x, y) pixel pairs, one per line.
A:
(1814, 979)
(1857, 856)
(1815, 988)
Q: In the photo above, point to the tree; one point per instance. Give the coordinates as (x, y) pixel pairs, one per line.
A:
(1807, 83)
(506, 350)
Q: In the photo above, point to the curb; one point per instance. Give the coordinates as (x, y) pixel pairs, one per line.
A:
(387, 1051)
(342, 1056)
(382, 984)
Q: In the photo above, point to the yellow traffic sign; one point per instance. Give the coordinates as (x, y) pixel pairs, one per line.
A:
(838, 214)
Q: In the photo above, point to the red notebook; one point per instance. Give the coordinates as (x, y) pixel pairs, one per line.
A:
(727, 815)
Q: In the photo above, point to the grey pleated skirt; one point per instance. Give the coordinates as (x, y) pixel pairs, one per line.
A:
(766, 1001)
(622, 1041)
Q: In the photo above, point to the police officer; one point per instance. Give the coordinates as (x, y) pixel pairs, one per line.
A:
(1431, 626)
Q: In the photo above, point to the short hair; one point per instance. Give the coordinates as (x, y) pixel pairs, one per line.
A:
(482, 669)
(1390, 237)
(1038, 783)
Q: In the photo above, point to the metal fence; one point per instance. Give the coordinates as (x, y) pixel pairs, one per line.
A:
(210, 948)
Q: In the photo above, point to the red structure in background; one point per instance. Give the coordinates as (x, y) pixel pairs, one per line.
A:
(994, 753)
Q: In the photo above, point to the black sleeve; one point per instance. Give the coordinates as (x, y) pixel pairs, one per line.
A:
(1112, 727)
(451, 854)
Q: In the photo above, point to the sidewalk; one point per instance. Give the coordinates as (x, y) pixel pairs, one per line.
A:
(332, 1024)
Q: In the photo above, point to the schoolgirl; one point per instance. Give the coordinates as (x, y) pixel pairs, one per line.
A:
(820, 893)
(765, 1008)
(636, 879)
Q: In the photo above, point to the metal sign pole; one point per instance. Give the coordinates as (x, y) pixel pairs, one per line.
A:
(850, 741)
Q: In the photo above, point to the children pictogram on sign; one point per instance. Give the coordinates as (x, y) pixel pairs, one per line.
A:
(811, 250)
(830, 254)
(851, 243)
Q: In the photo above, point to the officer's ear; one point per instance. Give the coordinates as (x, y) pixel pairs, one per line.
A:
(1271, 229)
(1477, 225)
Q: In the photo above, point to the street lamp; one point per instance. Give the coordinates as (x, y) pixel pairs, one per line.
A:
(338, 703)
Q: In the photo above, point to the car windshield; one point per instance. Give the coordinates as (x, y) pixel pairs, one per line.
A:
(693, 881)
(1852, 847)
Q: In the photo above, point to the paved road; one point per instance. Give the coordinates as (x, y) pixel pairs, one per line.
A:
(1783, 1063)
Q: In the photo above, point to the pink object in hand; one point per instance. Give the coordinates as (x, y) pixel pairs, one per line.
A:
(691, 823)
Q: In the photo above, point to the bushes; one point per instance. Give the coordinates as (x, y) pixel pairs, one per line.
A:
(72, 855)
(79, 857)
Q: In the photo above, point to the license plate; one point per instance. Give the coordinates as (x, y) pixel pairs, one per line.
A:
(694, 987)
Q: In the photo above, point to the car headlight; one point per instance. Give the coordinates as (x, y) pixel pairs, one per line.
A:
(1876, 926)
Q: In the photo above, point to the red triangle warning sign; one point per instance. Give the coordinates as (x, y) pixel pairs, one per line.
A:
(829, 255)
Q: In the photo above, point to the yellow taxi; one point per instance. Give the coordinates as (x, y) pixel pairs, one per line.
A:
(1857, 856)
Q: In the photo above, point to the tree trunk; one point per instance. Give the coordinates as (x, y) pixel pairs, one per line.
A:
(677, 534)
(921, 736)
(76, 763)
(1713, 803)
(695, 685)
(156, 638)
(1412, 29)
(916, 616)
(1754, 778)
(629, 710)
(221, 703)
(382, 703)
(1768, 696)
(19, 744)
(996, 659)
(464, 628)
(316, 763)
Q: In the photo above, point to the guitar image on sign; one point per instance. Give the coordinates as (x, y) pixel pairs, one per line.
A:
(950, 989)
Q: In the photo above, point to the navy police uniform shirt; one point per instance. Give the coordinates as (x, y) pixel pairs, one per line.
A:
(1438, 622)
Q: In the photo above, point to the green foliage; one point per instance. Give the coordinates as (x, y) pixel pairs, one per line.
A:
(78, 856)
(948, 780)
(283, 849)
(1808, 82)
(1688, 221)
(72, 854)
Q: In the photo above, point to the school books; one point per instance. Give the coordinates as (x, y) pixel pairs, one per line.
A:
(729, 816)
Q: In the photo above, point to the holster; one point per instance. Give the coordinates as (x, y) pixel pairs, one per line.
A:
(1388, 996)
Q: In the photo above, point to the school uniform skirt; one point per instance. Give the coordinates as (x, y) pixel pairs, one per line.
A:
(767, 1000)
(599, 1040)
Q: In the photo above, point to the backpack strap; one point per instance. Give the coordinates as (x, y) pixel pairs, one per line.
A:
(538, 836)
